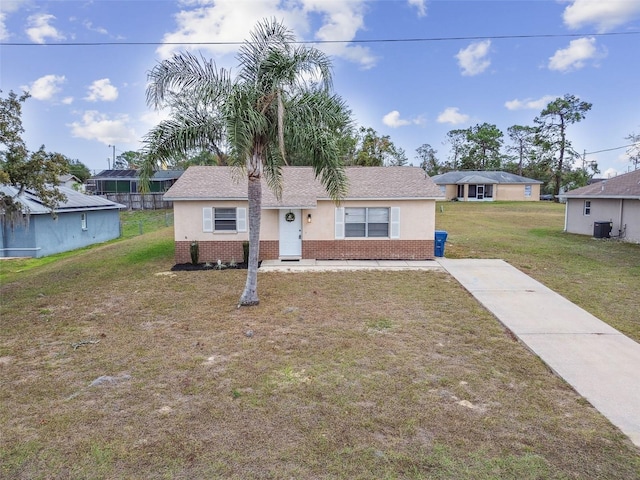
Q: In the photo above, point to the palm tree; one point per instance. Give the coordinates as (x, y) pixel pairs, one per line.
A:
(280, 99)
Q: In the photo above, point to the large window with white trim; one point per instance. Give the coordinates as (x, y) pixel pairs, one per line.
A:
(366, 222)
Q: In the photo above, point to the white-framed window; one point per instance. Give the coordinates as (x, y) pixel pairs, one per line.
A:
(366, 222)
(587, 207)
(378, 222)
(527, 190)
(224, 219)
(488, 191)
(83, 220)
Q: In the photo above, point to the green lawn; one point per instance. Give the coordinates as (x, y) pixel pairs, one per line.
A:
(112, 367)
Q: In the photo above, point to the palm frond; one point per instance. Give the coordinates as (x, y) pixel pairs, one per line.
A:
(185, 74)
(267, 37)
(314, 121)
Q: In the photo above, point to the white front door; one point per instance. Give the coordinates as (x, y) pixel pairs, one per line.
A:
(480, 192)
(291, 233)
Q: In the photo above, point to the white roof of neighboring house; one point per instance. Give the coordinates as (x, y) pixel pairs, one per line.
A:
(75, 201)
(481, 177)
(622, 186)
(67, 177)
(301, 189)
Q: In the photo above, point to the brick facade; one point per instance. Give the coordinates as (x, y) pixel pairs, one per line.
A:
(368, 249)
(314, 249)
(224, 251)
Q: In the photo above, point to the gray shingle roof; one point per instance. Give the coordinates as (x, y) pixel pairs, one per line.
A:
(76, 201)
(481, 176)
(622, 186)
(300, 187)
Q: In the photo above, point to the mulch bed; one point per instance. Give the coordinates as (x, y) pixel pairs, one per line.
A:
(191, 267)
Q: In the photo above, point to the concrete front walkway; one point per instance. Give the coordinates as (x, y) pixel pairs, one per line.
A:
(600, 363)
(342, 265)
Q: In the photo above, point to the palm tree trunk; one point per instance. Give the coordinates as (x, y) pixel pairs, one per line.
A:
(250, 295)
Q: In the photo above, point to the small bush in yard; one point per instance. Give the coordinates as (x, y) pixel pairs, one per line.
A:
(194, 250)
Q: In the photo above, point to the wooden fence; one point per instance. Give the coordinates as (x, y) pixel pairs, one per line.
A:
(139, 201)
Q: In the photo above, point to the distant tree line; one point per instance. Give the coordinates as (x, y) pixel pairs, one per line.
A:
(542, 151)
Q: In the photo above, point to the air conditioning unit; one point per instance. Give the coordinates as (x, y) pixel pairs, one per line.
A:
(602, 229)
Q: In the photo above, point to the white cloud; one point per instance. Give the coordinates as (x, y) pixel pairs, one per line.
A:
(609, 173)
(576, 55)
(604, 14)
(421, 6)
(39, 29)
(473, 59)
(453, 116)
(530, 104)
(67, 100)
(4, 33)
(232, 21)
(102, 90)
(89, 26)
(6, 7)
(154, 117)
(393, 120)
(44, 88)
(98, 126)
(342, 20)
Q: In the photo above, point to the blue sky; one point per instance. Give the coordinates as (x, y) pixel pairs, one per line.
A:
(87, 97)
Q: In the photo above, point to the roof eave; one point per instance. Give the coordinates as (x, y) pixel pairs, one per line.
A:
(382, 199)
(595, 196)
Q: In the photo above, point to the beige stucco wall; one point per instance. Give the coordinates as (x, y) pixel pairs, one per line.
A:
(515, 192)
(620, 212)
(451, 192)
(417, 220)
(504, 192)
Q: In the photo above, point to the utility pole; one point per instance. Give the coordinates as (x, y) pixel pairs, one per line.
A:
(113, 158)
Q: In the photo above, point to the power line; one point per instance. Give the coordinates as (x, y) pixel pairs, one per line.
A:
(611, 149)
(379, 40)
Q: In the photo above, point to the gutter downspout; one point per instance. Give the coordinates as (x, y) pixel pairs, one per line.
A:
(566, 216)
(620, 217)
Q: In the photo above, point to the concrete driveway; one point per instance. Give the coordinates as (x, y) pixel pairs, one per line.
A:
(599, 362)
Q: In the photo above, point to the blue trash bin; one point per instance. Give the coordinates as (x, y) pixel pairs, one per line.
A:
(441, 239)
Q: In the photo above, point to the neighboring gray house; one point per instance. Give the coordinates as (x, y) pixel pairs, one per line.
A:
(81, 220)
(128, 181)
(123, 186)
(607, 208)
(487, 186)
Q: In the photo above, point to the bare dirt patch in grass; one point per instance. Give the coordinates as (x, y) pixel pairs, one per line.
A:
(350, 375)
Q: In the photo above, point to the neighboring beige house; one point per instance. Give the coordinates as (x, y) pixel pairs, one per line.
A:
(487, 186)
(388, 213)
(612, 204)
